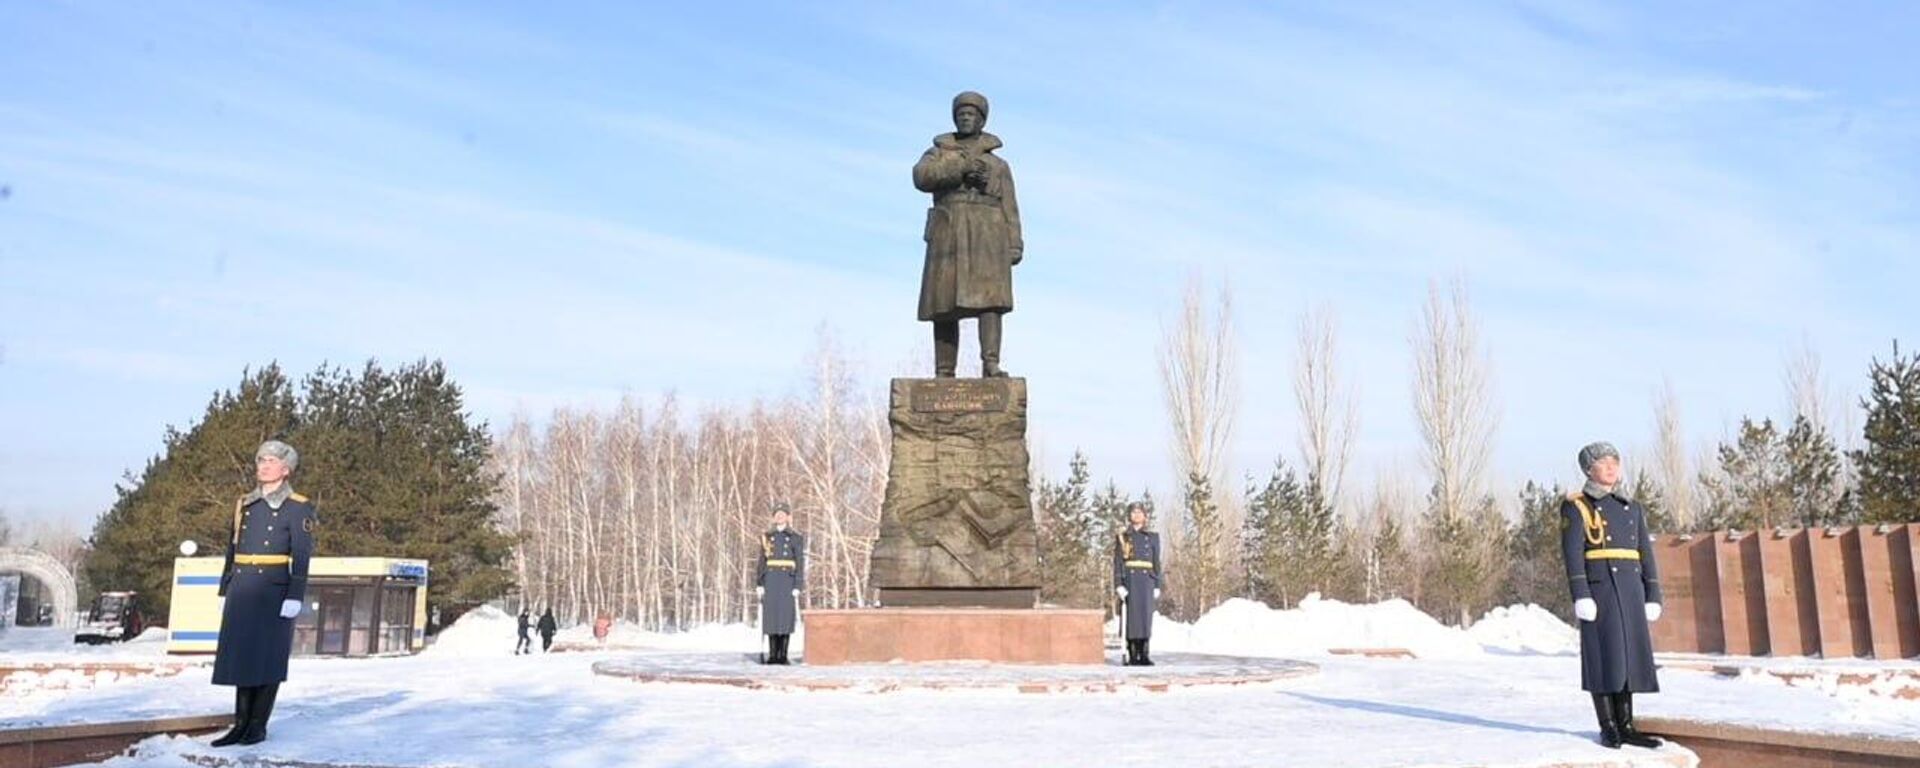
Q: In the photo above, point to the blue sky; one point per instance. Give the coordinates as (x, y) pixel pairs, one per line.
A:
(575, 202)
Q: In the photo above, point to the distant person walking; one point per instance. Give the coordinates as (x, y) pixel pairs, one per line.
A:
(547, 628)
(525, 644)
(1616, 592)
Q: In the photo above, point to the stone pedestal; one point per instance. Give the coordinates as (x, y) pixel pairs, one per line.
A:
(1015, 636)
(956, 526)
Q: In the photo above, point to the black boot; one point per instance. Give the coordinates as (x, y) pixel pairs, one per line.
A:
(1133, 653)
(263, 697)
(1623, 717)
(1609, 727)
(242, 716)
(780, 649)
(772, 654)
(1145, 659)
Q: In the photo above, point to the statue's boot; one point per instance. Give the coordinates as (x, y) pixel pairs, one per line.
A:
(946, 347)
(990, 345)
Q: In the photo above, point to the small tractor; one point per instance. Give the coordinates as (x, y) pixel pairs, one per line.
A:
(115, 617)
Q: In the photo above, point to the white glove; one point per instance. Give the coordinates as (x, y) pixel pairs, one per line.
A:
(1585, 609)
(289, 608)
(1122, 592)
(1156, 593)
(1653, 611)
(796, 593)
(759, 591)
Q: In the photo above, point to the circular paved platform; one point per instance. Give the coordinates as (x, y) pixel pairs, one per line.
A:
(740, 670)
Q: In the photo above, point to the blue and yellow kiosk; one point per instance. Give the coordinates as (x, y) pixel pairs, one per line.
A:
(356, 606)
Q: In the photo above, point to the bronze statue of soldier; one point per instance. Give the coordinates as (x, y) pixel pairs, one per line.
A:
(972, 234)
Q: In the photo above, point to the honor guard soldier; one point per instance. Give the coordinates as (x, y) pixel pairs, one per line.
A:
(781, 576)
(1616, 592)
(1137, 579)
(264, 583)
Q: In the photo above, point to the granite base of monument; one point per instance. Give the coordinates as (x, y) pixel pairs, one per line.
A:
(956, 525)
(1007, 636)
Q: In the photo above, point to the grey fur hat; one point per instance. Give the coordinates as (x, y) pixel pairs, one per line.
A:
(279, 450)
(1595, 452)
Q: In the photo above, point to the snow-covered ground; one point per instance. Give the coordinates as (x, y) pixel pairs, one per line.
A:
(26, 644)
(1502, 693)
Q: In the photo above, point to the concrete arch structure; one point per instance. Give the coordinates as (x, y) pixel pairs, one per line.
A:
(46, 570)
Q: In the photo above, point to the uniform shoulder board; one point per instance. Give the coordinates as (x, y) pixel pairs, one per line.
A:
(297, 497)
(1574, 495)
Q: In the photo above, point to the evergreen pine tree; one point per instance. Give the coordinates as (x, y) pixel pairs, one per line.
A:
(1067, 548)
(1537, 570)
(1748, 489)
(1646, 493)
(1201, 548)
(1287, 540)
(1889, 465)
(1812, 474)
(188, 491)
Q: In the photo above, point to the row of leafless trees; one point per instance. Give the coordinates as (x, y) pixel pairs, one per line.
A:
(1365, 555)
(653, 514)
(1448, 543)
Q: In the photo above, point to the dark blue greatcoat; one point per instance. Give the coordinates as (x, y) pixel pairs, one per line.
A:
(1141, 578)
(779, 608)
(1616, 651)
(254, 641)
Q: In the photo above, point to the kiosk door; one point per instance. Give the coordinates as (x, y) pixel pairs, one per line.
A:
(336, 607)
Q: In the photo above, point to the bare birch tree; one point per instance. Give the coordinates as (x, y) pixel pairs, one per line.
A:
(1198, 378)
(1453, 402)
(1670, 461)
(1328, 416)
